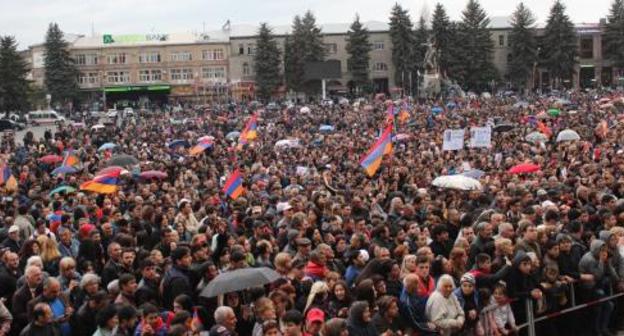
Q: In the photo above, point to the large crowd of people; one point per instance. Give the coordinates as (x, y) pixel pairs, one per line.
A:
(387, 255)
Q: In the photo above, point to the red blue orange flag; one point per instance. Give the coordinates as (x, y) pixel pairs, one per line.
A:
(372, 160)
(249, 132)
(71, 159)
(234, 185)
(200, 147)
(103, 184)
(7, 178)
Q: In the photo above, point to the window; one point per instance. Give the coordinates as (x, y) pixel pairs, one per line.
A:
(501, 40)
(587, 48)
(251, 49)
(151, 57)
(212, 54)
(331, 48)
(181, 56)
(119, 58)
(246, 69)
(213, 73)
(86, 59)
(378, 45)
(88, 78)
(181, 74)
(241, 49)
(379, 66)
(150, 75)
(508, 58)
(117, 77)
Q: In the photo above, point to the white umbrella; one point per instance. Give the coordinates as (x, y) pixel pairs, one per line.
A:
(568, 135)
(97, 127)
(459, 182)
(305, 110)
(536, 137)
(288, 143)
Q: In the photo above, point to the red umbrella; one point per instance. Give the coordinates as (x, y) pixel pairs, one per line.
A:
(153, 174)
(524, 168)
(51, 159)
(112, 170)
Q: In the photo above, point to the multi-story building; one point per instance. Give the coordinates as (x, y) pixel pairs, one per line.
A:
(219, 65)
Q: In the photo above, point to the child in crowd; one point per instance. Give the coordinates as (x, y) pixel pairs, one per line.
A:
(505, 322)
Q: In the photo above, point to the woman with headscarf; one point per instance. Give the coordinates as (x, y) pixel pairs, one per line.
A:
(443, 308)
(360, 320)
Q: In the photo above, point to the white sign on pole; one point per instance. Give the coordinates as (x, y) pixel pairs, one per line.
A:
(453, 140)
(481, 137)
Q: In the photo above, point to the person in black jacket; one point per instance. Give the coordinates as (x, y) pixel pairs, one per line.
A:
(31, 289)
(522, 285)
(83, 322)
(42, 323)
(177, 279)
(360, 320)
(147, 290)
(113, 268)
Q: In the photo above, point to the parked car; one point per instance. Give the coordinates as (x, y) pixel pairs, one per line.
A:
(10, 125)
(45, 117)
(112, 113)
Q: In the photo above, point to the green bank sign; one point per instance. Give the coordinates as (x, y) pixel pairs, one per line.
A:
(151, 88)
(133, 38)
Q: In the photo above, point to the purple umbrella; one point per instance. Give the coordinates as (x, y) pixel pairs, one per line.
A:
(153, 174)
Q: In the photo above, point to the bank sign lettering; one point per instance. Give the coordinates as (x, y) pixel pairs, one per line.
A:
(133, 38)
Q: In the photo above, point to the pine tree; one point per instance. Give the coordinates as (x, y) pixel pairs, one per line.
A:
(523, 46)
(614, 34)
(442, 36)
(266, 63)
(477, 48)
(14, 87)
(61, 74)
(358, 47)
(402, 37)
(559, 44)
(304, 44)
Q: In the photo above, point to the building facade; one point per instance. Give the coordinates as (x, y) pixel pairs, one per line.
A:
(218, 66)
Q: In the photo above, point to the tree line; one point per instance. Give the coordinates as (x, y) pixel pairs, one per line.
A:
(465, 50)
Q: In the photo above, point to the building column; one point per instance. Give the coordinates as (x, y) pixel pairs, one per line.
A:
(598, 75)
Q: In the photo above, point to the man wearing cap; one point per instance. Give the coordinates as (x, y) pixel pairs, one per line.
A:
(284, 209)
(13, 241)
(315, 319)
(303, 249)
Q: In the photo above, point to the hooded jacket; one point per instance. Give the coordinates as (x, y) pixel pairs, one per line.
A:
(445, 312)
(356, 324)
(615, 258)
(591, 264)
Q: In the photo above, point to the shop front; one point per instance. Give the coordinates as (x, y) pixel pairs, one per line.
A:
(136, 96)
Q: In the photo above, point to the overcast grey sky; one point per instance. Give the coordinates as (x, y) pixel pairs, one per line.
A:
(27, 20)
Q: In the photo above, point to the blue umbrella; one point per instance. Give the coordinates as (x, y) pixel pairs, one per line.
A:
(437, 109)
(64, 170)
(474, 173)
(232, 135)
(326, 128)
(107, 146)
(179, 143)
(451, 105)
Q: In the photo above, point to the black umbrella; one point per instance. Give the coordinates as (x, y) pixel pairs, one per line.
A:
(238, 280)
(503, 127)
(122, 160)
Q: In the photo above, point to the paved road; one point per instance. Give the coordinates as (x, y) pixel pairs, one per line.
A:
(38, 132)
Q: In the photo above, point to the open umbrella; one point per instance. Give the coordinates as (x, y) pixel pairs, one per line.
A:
(474, 173)
(107, 146)
(401, 137)
(153, 174)
(524, 168)
(112, 170)
(122, 160)
(288, 143)
(542, 115)
(240, 279)
(179, 143)
(232, 135)
(554, 112)
(459, 182)
(505, 127)
(64, 170)
(97, 127)
(437, 109)
(326, 128)
(521, 104)
(536, 137)
(65, 189)
(206, 138)
(51, 159)
(305, 110)
(568, 135)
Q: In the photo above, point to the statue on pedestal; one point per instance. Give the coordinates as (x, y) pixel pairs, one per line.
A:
(431, 79)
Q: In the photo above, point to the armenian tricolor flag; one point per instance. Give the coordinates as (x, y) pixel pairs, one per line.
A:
(200, 147)
(103, 184)
(249, 132)
(234, 185)
(7, 178)
(71, 159)
(372, 160)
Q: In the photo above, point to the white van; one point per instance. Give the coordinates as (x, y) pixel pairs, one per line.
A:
(45, 117)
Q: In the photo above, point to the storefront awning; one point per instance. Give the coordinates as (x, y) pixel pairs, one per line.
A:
(150, 88)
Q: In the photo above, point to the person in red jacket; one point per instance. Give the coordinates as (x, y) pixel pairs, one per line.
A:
(316, 268)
